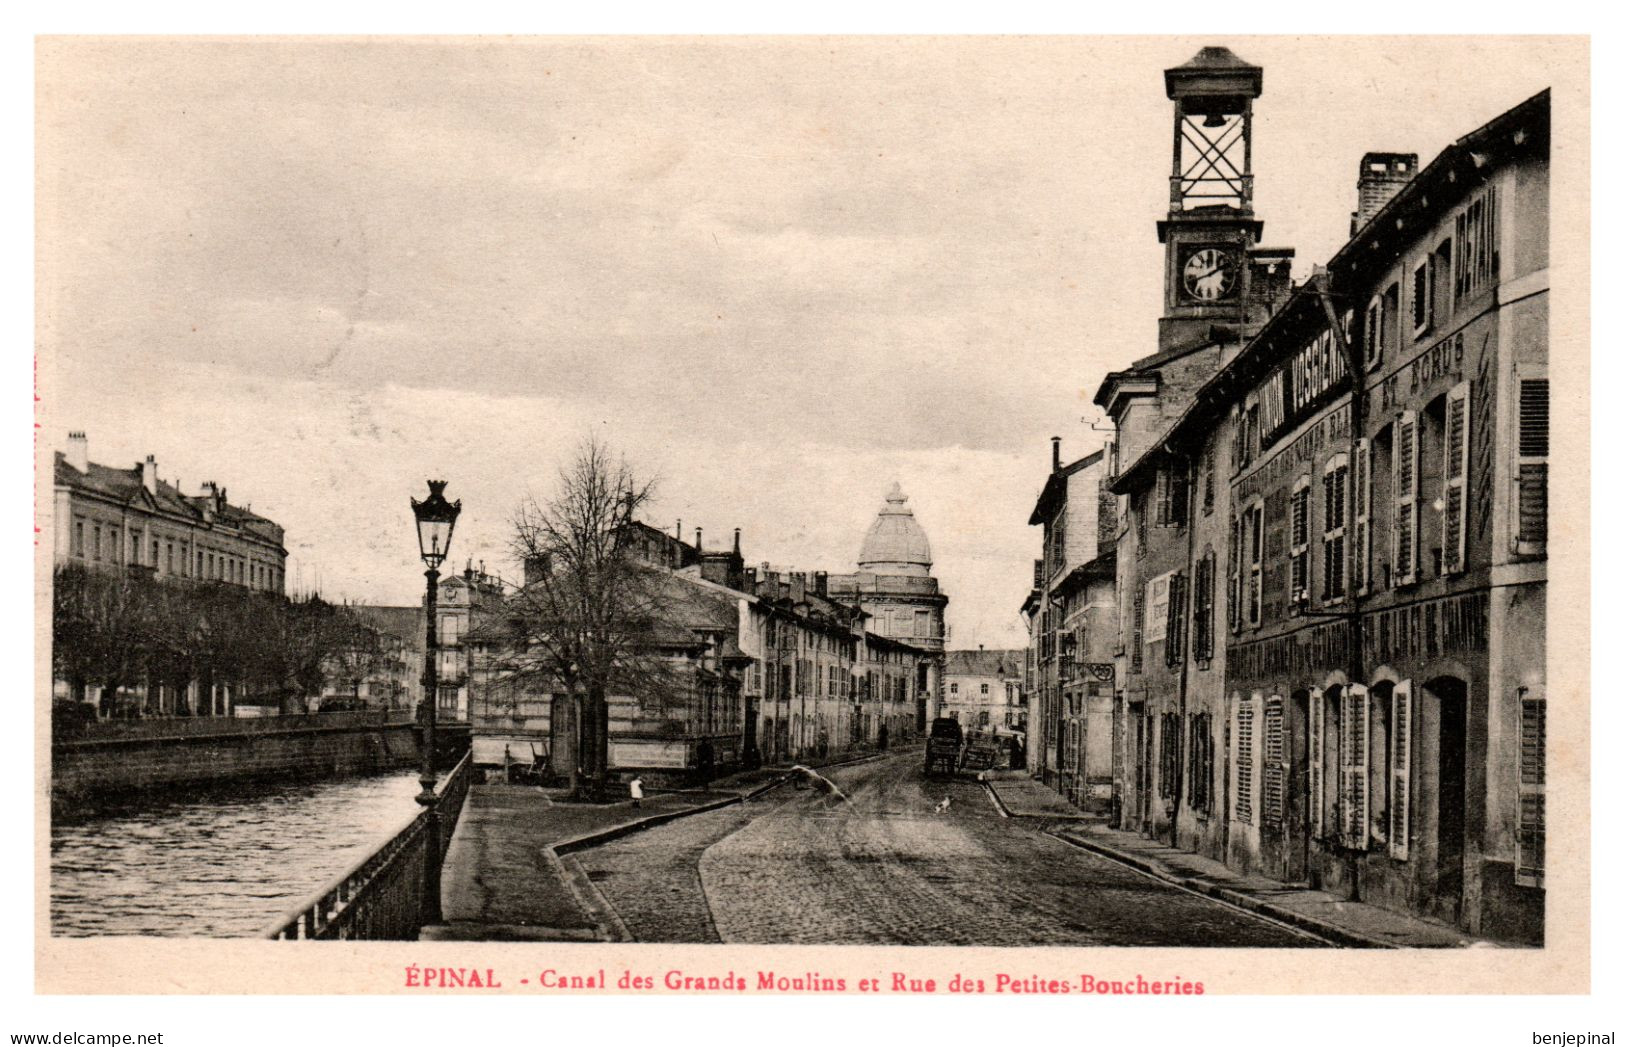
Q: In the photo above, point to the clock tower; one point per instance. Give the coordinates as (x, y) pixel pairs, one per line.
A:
(1210, 228)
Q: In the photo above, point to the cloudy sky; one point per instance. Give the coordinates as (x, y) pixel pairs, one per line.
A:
(777, 274)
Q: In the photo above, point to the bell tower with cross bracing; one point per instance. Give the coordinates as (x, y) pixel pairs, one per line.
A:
(1210, 229)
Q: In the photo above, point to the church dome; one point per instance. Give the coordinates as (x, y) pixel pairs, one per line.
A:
(895, 544)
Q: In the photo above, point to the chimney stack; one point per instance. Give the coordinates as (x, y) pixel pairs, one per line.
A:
(699, 539)
(821, 583)
(1055, 454)
(736, 541)
(1382, 176)
(149, 475)
(78, 454)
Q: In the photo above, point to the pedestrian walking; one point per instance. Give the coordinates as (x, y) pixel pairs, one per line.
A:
(636, 786)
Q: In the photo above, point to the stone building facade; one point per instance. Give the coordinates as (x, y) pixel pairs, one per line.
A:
(894, 586)
(1071, 618)
(983, 689)
(109, 517)
(1333, 557)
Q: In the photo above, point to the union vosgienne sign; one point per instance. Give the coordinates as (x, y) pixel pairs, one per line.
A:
(1298, 386)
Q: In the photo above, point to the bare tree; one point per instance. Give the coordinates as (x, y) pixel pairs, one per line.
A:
(587, 619)
(359, 653)
(101, 621)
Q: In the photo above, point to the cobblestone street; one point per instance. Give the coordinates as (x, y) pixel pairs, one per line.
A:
(886, 867)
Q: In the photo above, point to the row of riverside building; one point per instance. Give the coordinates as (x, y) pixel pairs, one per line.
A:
(1292, 617)
(764, 666)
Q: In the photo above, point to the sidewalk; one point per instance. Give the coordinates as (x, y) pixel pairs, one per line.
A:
(1019, 796)
(1318, 912)
(504, 880)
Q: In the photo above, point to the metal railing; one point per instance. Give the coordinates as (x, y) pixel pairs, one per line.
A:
(381, 897)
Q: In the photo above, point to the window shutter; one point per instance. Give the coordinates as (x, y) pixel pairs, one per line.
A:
(1421, 299)
(1356, 767)
(1336, 522)
(1534, 444)
(1232, 592)
(1373, 334)
(1531, 842)
(1455, 473)
(1255, 565)
(1317, 757)
(1399, 784)
(1244, 761)
(1360, 562)
(1170, 624)
(1300, 542)
(1204, 607)
(1274, 761)
(1405, 516)
(1136, 652)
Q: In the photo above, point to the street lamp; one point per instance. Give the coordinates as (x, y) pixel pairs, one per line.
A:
(436, 518)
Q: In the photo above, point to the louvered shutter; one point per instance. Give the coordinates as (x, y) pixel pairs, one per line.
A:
(1405, 483)
(1232, 591)
(1173, 647)
(1244, 761)
(1399, 779)
(1136, 650)
(1356, 764)
(1300, 542)
(1204, 613)
(1274, 761)
(1317, 757)
(1534, 444)
(1255, 567)
(1360, 562)
(1455, 478)
(1531, 841)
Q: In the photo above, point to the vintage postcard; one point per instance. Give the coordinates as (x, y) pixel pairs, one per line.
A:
(1069, 516)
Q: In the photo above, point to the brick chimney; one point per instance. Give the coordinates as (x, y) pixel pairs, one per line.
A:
(1055, 454)
(821, 583)
(149, 475)
(1382, 176)
(78, 453)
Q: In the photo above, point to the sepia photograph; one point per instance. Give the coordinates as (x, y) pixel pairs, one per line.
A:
(983, 497)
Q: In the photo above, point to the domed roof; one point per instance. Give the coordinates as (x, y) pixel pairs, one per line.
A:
(895, 544)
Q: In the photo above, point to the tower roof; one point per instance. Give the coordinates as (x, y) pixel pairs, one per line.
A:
(895, 543)
(1216, 71)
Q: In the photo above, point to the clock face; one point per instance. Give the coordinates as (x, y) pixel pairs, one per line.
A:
(1210, 274)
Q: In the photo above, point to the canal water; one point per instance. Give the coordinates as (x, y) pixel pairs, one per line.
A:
(220, 864)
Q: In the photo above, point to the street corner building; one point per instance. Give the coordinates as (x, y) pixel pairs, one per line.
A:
(1330, 537)
(757, 665)
(1071, 615)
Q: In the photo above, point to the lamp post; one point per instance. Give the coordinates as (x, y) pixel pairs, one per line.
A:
(436, 518)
